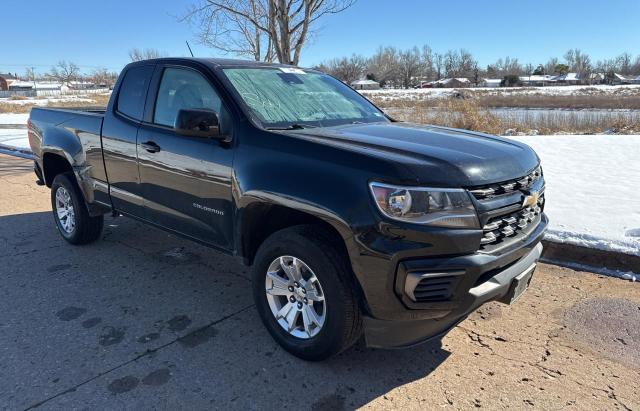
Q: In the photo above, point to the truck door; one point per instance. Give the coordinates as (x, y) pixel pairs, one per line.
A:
(186, 181)
(119, 134)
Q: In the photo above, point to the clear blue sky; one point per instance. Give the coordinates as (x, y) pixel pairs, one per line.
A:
(100, 33)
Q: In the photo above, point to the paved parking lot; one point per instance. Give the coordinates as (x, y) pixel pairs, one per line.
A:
(143, 319)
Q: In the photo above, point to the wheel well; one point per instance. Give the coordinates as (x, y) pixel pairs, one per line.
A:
(52, 165)
(262, 220)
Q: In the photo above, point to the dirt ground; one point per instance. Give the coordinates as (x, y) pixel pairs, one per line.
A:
(142, 319)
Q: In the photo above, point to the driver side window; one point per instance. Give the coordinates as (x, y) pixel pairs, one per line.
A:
(184, 89)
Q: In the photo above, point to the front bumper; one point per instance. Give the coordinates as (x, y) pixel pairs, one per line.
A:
(397, 320)
(398, 334)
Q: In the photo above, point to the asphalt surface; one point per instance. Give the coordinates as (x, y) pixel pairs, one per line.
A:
(145, 320)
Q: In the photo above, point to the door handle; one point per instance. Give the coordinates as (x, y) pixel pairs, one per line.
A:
(151, 147)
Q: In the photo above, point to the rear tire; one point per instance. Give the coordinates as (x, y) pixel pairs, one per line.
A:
(327, 277)
(70, 211)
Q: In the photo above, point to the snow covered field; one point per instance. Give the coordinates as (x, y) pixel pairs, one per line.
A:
(435, 93)
(13, 137)
(592, 195)
(592, 190)
(12, 118)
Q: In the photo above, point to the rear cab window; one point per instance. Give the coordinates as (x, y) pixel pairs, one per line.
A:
(133, 91)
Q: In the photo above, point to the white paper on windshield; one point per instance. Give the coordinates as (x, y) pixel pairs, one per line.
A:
(292, 70)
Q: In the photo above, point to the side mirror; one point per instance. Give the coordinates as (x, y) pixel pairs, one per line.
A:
(198, 123)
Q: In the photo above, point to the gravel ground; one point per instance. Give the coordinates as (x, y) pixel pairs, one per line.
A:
(145, 320)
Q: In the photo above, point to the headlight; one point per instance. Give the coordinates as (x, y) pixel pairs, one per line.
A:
(441, 207)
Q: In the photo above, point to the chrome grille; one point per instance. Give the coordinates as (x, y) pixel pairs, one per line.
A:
(507, 187)
(500, 228)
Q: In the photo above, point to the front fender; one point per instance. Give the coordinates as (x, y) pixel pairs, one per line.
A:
(330, 217)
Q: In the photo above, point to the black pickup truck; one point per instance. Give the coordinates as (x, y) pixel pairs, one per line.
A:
(354, 224)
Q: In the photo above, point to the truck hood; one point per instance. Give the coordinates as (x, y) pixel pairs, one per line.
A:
(434, 155)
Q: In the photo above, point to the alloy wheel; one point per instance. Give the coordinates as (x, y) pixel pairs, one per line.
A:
(295, 297)
(64, 210)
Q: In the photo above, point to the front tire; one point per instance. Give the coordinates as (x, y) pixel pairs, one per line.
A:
(303, 292)
(70, 212)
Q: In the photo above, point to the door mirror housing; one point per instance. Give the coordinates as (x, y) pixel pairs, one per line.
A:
(201, 123)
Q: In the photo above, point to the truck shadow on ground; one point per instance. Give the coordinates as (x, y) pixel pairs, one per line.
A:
(10, 167)
(144, 317)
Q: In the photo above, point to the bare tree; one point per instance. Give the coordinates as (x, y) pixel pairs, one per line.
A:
(65, 72)
(426, 62)
(635, 67)
(103, 77)
(346, 69)
(384, 65)
(438, 61)
(506, 66)
(409, 66)
(467, 64)
(459, 63)
(238, 32)
(551, 64)
(30, 74)
(137, 54)
(623, 63)
(578, 61)
(263, 29)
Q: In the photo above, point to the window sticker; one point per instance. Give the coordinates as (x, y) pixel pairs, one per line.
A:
(292, 70)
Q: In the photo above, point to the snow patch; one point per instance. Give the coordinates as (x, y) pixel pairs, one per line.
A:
(436, 93)
(591, 189)
(14, 138)
(13, 118)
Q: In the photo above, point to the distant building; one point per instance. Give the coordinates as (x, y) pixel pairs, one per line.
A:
(81, 85)
(365, 85)
(616, 78)
(597, 78)
(490, 82)
(458, 82)
(536, 80)
(570, 78)
(21, 85)
(39, 86)
(5, 80)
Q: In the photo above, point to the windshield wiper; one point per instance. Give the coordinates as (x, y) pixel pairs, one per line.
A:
(294, 126)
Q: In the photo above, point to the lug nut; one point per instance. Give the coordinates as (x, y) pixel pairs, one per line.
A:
(299, 305)
(305, 300)
(292, 299)
(304, 291)
(290, 288)
(297, 284)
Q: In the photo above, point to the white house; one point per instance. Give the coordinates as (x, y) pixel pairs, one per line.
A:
(81, 85)
(569, 78)
(20, 85)
(537, 80)
(365, 85)
(596, 78)
(490, 82)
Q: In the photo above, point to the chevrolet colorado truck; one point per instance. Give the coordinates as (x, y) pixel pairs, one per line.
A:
(354, 224)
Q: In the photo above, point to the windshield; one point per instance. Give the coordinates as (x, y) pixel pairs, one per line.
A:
(293, 98)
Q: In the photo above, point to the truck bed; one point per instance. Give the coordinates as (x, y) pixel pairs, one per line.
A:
(74, 130)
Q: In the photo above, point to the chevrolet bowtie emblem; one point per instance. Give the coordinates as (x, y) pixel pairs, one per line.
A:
(531, 200)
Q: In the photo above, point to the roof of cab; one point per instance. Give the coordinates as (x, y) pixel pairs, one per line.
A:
(212, 62)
